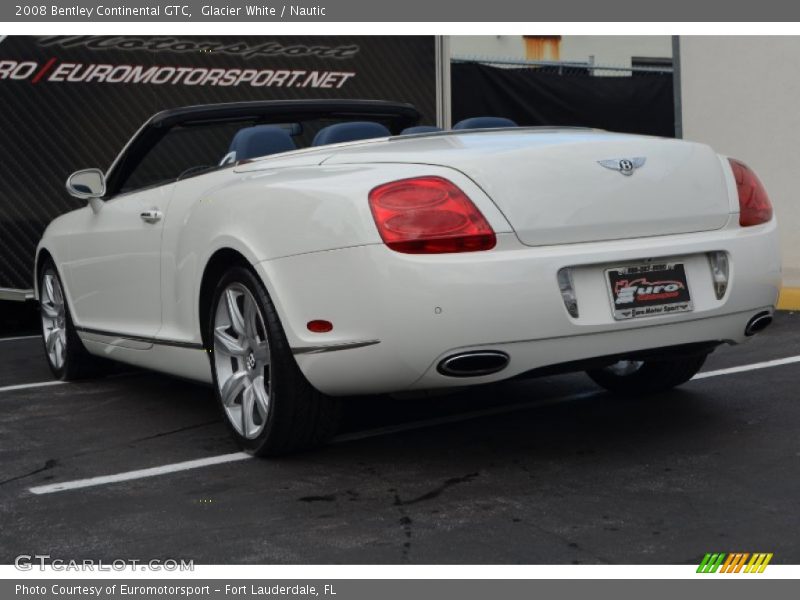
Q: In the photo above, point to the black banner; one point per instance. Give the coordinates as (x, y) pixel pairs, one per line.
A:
(530, 96)
(71, 102)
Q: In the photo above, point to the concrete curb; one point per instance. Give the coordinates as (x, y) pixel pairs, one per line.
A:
(789, 299)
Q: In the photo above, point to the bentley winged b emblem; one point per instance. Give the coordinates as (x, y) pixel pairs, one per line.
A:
(626, 166)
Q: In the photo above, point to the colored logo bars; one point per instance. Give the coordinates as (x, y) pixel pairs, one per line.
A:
(735, 562)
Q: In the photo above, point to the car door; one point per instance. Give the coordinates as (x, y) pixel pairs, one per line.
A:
(113, 266)
(113, 263)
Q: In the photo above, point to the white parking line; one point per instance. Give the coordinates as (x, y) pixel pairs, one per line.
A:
(752, 367)
(358, 435)
(25, 386)
(371, 433)
(20, 337)
(140, 474)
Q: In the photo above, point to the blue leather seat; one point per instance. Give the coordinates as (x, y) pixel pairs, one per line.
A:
(420, 129)
(349, 132)
(484, 123)
(259, 140)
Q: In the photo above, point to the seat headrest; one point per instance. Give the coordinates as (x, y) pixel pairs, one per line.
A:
(349, 132)
(259, 140)
(484, 123)
(420, 129)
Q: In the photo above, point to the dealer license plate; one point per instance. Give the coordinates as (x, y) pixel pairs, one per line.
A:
(648, 290)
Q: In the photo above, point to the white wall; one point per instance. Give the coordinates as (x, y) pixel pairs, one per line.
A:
(614, 50)
(742, 96)
(494, 46)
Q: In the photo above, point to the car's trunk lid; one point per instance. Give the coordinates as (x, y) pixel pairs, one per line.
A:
(553, 187)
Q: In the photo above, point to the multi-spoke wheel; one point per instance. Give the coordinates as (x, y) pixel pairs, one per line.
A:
(241, 358)
(268, 404)
(54, 319)
(65, 353)
(634, 377)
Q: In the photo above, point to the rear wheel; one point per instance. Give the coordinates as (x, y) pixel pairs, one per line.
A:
(66, 356)
(268, 404)
(634, 377)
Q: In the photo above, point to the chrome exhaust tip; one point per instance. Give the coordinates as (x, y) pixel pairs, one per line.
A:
(473, 364)
(758, 323)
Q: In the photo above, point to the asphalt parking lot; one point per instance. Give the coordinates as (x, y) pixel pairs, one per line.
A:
(551, 470)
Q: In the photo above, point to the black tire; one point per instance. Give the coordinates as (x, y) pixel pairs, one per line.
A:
(651, 376)
(298, 416)
(77, 362)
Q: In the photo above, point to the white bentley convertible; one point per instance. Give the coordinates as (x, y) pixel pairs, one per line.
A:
(292, 252)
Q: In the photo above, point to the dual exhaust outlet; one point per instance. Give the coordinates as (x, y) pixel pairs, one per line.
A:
(758, 323)
(473, 364)
(488, 362)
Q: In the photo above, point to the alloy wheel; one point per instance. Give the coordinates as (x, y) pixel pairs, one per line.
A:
(242, 360)
(54, 318)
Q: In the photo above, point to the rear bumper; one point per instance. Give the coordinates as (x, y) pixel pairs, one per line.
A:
(421, 309)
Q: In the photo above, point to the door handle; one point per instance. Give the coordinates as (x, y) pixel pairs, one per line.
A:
(151, 216)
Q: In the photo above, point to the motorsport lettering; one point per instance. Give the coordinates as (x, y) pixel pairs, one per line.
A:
(241, 48)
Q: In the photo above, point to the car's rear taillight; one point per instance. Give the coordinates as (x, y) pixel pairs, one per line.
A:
(429, 215)
(754, 205)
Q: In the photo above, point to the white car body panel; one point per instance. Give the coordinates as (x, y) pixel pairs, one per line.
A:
(302, 220)
(321, 217)
(553, 191)
(516, 307)
(110, 262)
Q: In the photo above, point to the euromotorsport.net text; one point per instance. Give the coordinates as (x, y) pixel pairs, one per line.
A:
(53, 71)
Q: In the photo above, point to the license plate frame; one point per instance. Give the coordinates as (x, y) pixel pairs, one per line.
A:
(648, 289)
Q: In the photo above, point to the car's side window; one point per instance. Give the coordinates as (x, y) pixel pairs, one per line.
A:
(184, 151)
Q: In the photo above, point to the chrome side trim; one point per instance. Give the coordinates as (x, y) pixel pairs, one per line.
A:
(138, 338)
(333, 347)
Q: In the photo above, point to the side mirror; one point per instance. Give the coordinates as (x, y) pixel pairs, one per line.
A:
(88, 184)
